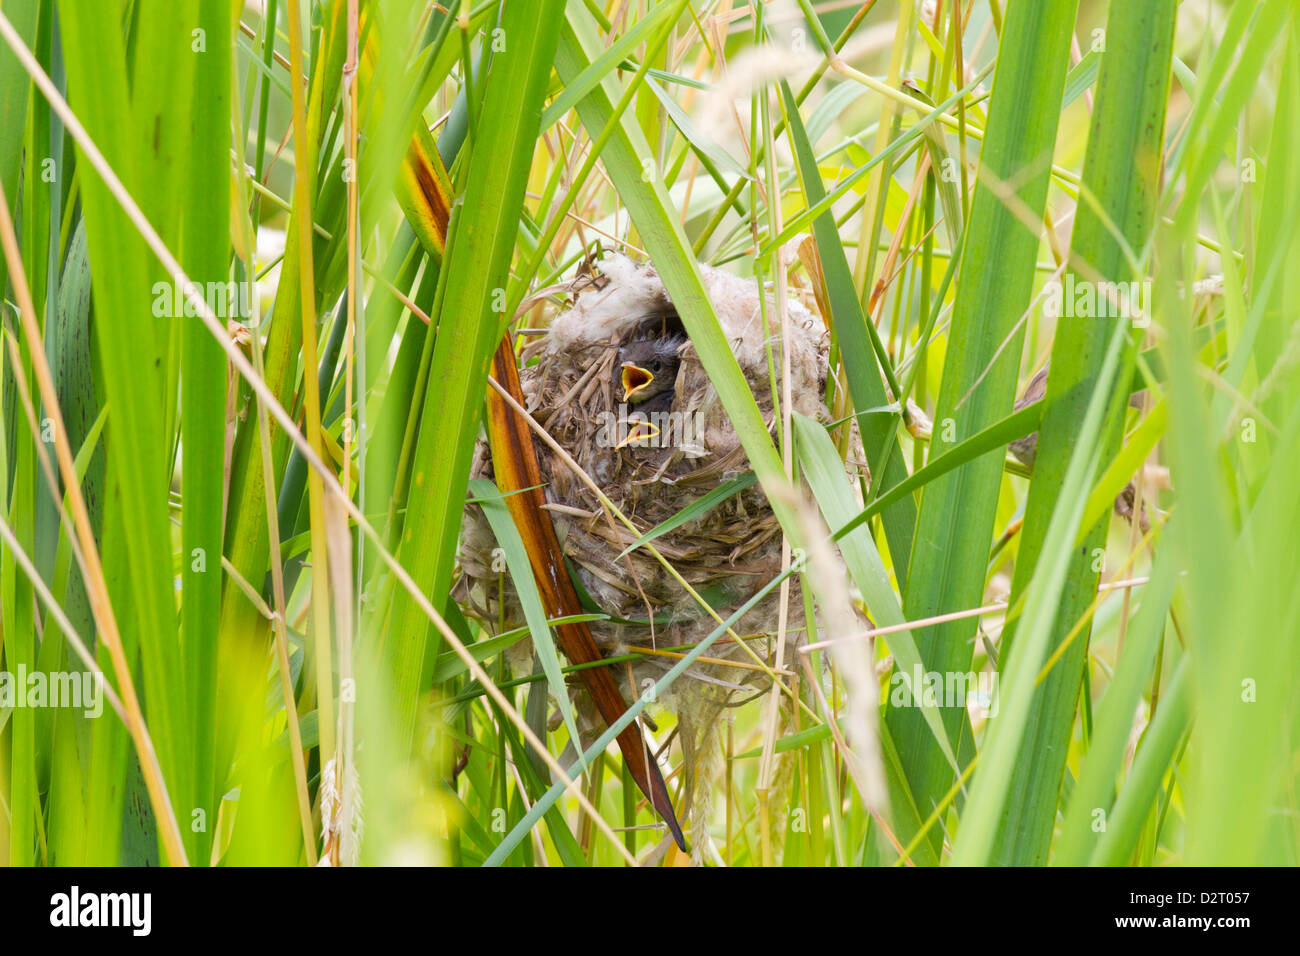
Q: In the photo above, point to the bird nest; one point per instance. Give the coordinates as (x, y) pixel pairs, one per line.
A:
(652, 464)
(652, 460)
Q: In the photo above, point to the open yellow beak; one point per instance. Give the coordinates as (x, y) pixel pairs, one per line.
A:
(640, 431)
(634, 379)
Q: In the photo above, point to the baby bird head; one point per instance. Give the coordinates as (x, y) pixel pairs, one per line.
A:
(648, 367)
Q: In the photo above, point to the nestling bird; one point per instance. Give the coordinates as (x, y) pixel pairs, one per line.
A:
(648, 373)
(648, 368)
(642, 420)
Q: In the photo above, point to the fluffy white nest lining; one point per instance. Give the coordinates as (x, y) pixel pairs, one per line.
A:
(572, 390)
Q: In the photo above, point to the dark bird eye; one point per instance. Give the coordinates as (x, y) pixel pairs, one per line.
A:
(655, 366)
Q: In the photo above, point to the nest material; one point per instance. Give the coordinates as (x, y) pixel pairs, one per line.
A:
(572, 390)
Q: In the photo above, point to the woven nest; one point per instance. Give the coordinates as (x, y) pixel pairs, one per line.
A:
(572, 391)
(571, 388)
